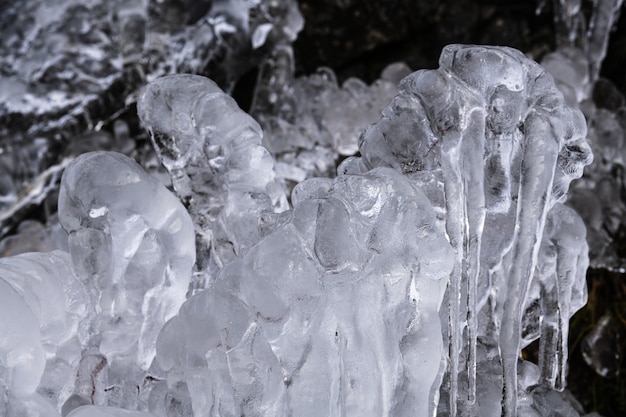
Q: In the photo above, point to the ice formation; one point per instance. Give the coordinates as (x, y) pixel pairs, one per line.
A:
(575, 66)
(331, 314)
(90, 317)
(73, 66)
(219, 169)
(486, 134)
(444, 246)
(310, 121)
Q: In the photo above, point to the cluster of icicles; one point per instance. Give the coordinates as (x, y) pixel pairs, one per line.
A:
(448, 230)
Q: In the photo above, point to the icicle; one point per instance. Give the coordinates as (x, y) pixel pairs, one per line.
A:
(605, 14)
(275, 77)
(464, 176)
(560, 290)
(453, 186)
(473, 151)
(540, 152)
(567, 20)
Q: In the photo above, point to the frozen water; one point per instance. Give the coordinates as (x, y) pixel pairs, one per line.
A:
(597, 198)
(84, 319)
(466, 130)
(103, 411)
(310, 121)
(71, 66)
(219, 169)
(331, 314)
(47, 304)
(132, 246)
(419, 271)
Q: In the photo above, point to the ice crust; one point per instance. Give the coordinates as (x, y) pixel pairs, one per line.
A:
(420, 271)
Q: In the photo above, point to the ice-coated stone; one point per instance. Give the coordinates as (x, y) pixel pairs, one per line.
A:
(219, 169)
(132, 246)
(333, 313)
(489, 136)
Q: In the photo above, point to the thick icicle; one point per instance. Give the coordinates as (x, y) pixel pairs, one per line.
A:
(539, 158)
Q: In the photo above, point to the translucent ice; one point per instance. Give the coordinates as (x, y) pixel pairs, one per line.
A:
(333, 313)
(132, 246)
(597, 197)
(310, 121)
(332, 308)
(48, 303)
(488, 135)
(219, 169)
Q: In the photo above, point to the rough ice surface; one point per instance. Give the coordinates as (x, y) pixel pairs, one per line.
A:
(219, 169)
(489, 136)
(331, 314)
(417, 274)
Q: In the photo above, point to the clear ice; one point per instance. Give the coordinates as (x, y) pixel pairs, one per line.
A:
(219, 169)
(575, 65)
(89, 318)
(491, 139)
(406, 285)
(331, 314)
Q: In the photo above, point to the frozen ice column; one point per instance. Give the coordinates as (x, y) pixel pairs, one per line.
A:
(132, 245)
(334, 313)
(219, 169)
(488, 137)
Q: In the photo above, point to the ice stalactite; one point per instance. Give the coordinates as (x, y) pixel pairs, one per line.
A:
(495, 133)
(597, 196)
(605, 15)
(573, 30)
(333, 306)
(562, 262)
